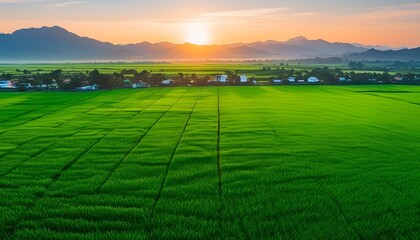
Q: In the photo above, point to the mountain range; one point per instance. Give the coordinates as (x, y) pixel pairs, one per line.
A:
(58, 44)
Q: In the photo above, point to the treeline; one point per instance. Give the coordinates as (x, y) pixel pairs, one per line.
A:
(333, 76)
(125, 78)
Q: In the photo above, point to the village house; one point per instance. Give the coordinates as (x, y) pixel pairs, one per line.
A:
(398, 78)
(291, 79)
(222, 78)
(243, 79)
(167, 82)
(277, 81)
(6, 84)
(344, 79)
(313, 79)
(140, 85)
(88, 88)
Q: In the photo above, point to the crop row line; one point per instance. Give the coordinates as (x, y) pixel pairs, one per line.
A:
(340, 209)
(115, 166)
(97, 107)
(55, 177)
(165, 175)
(219, 167)
(38, 153)
(390, 98)
(135, 115)
(329, 194)
(47, 148)
(17, 103)
(19, 145)
(19, 115)
(30, 120)
(54, 111)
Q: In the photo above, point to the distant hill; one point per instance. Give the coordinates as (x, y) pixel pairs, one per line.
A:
(389, 55)
(55, 43)
(58, 44)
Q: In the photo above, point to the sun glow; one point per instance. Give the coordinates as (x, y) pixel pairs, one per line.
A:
(198, 34)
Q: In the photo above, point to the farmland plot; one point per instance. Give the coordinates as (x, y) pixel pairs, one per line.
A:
(230, 162)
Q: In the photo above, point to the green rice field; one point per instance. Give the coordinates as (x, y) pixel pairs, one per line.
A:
(286, 162)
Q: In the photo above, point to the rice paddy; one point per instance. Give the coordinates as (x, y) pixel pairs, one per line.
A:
(300, 162)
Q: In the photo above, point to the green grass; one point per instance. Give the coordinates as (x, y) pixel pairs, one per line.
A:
(298, 162)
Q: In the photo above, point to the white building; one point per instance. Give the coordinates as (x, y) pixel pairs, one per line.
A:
(313, 80)
(6, 84)
(222, 78)
(244, 78)
(301, 81)
(343, 79)
(291, 79)
(167, 82)
(277, 81)
(88, 88)
(139, 85)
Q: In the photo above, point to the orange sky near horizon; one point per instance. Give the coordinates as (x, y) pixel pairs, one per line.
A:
(391, 25)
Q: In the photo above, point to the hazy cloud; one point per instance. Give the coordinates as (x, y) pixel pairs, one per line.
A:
(65, 4)
(245, 13)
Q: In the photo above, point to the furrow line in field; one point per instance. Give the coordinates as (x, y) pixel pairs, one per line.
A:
(165, 175)
(37, 117)
(37, 154)
(97, 94)
(30, 120)
(83, 100)
(329, 194)
(83, 113)
(390, 98)
(135, 115)
(19, 145)
(398, 189)
(271, 126)
(58, 126)
(101, 105)
(54, 111)
(219, 167)
(115, 166)
(18, 103)
(19, 115)
(340, 210)
(54, 178)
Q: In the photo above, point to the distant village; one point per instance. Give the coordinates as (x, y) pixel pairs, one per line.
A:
(130, 78)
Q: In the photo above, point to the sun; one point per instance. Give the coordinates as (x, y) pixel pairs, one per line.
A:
(198, 34)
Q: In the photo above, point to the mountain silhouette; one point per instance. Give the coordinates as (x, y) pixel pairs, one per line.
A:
(58, 44)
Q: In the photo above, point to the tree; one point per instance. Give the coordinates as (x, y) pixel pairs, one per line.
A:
(56, 74)
(142, 76)
(156, 79)
(194, 78)
(234, 79)
(356, 65)
(76, 81)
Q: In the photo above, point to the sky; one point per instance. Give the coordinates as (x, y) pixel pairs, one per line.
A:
(370, 22)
